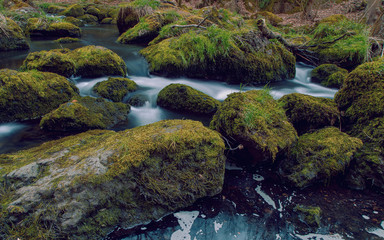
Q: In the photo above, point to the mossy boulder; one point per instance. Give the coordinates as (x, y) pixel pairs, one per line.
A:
(29, 95)
(351, 48)
(74, 21)
(67, 40)
(92, 10)
(96, 61)
(270, 17)
(74, 10)
(138, 100)
(367, 169)
(309, 113)
(115, 89)
(89, 19)
(42, 28)
(11, 36)
(235, 57)
(85, 113)
(329, 75)
(143, 32)
(257, 122)
(183, 98)
(107, 21)
(55, 9)
(362, 96)
(87, 184)
(56, 61)
(319, 156)
(307, 217)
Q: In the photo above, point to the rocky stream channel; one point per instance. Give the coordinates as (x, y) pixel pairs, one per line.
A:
(253, 203)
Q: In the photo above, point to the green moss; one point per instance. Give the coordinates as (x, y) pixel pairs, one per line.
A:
(54, 9)
(56, 61)
(145, 31)
(183, 98)
(151, 171)
(74, 10)
(322, 74)
(14, 36)
(96, 61)
(67, 40)
(222, 54)
(334, 19)
(74, 21)
(28, 95)
(350, 51)
(309, 215)
(37, 27)
(84, 113)
(362, 94)
(272, 18)
(256, 121)
(319, 156)
(107, 21)
(115, 89)
(308, 113)
(89, 19)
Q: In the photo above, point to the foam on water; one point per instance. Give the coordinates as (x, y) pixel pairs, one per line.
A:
(378, 231)
(185, 220)
(266, 197)
(315, 236)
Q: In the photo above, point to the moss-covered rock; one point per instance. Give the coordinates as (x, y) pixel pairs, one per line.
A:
(74, 10)
(11, 36)
(308, 113)
(84, 113)
(362, 96)
(257, 122)
(367, 169)
(96, 61)
(270, 17)
(55, 9)
(319, 156)
(74, 21)
(329, 75)
(28, 95)
(89, 19)
(347, 52)
(92, 10)
(42, 28)
(56, 61)
(143, 32)
(107, 21)
(309, 215)
(232, 56)
(115, 89)
(87, 184)
(183, 98)
(138, 100)
(67, 40)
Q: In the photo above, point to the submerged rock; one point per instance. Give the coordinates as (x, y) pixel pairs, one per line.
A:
(115, 89)
(11, 36)
(319, 156)
(257, 122)
(56, 61)
(362, 96)
(84, 113)
(91, 182)
(183, 98)
(308, 113)
(97, 61)
(28, 95)
(329, 75)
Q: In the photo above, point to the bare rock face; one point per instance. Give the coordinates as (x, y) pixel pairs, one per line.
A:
(83, 186)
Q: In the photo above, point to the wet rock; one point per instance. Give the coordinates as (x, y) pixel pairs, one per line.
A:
(12, 37)
(361, 98)
(28, 95)
(74, 10)
(74, 21)
(257, 122)
(308, 217)
(329, 75)
(89, 19)
(56, 61)
(367, 169)
(99, 179)
(24, 174)
(81, 114)
(41, 28)
(96, 61)
(115, 89)
(197, 54)
(183, 98)
(309, 113)
(319, 156)
(67, 40)
(138, 100)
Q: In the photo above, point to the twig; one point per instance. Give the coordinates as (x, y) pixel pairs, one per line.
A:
(192, 25)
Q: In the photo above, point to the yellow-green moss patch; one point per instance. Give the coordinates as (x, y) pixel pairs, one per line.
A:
(115, 89)
(12, 36)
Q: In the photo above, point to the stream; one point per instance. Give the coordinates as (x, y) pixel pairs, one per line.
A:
(253, 204)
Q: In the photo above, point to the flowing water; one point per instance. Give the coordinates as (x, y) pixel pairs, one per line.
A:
(252, 204)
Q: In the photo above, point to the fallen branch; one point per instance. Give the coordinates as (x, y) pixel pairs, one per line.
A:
(192, 25)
